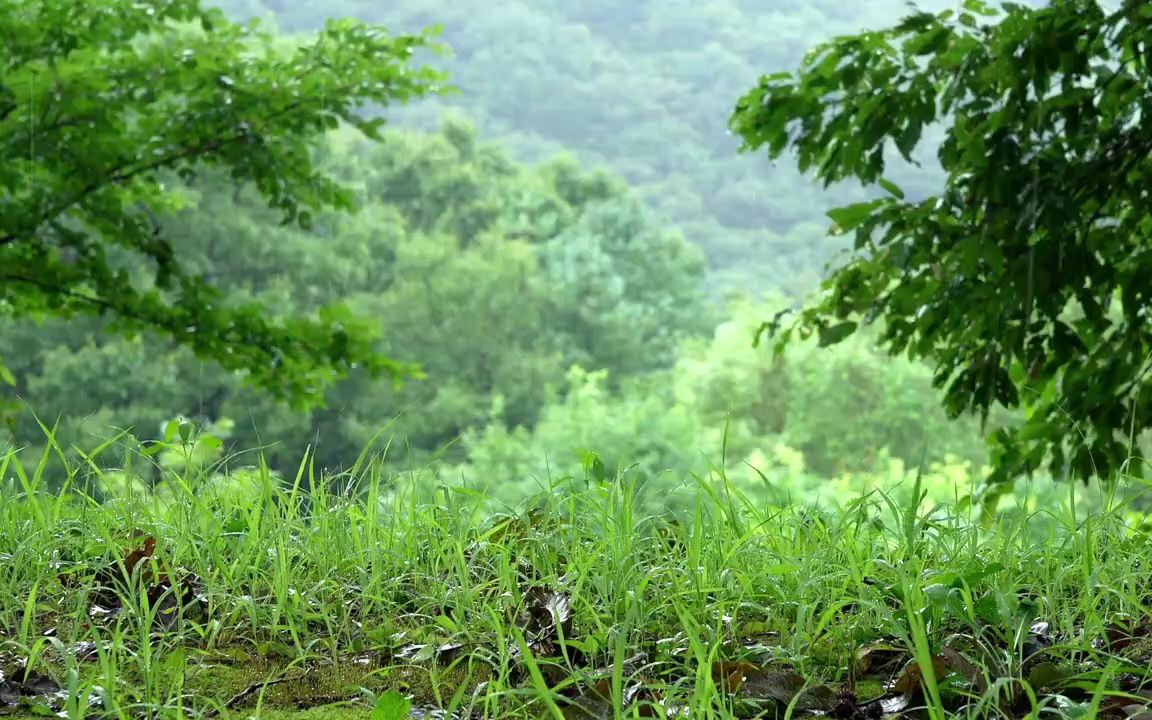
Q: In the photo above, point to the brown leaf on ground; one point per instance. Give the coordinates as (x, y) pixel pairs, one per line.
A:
(912, 677)
(784, 686)
(1129, 706)
(545, 616)
(957, 663)
(1123, 632)
(879, 659)
(140, 569)
(729, 675)
(904, 690)
(20, 688)
(595, 702)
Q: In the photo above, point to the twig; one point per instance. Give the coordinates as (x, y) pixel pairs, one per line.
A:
(250, 691)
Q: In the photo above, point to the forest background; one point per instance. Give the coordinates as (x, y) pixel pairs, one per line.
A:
(571, 248)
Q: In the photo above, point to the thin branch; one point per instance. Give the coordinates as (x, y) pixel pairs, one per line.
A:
(127, 173)
(250, 691)
(71, 294)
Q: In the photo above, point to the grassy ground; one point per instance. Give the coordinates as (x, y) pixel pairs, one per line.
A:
(292, 601)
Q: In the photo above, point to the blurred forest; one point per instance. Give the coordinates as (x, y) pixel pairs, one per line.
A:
(645, 89)
(571, 248)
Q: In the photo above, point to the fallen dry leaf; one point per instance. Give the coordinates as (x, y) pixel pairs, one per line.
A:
(595, 702)
(784, 686)
(28, 689)
(879, 659)
(957, 663)
(139, 569)
(912, 677)
(1128, 706)
(730, 675)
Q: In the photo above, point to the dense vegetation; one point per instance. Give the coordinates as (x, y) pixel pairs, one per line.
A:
(644, 88)
(295, 601)
(101, 104)
(549, 314)
(1024, 280)
(533, 463)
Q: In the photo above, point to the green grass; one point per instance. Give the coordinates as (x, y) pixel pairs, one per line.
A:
(303, 601)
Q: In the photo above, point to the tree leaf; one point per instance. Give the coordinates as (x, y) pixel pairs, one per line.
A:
(836, 333)
(849, 216)
(1037, 215)
(391, 705)
(892, 188)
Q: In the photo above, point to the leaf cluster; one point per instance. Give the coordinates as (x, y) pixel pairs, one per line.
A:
(98, 101)
(1025, 281)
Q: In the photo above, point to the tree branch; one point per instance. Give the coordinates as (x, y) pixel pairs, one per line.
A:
(208, 147)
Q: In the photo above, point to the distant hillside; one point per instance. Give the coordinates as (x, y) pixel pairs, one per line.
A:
(645, 88)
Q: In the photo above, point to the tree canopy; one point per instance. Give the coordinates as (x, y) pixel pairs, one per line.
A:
(103, 105)
(643, 88)
(494, 276)
(1025, 280)
(553, 308)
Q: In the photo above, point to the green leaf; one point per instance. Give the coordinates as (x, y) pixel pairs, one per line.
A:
(1036, 216)
(171, 429)
(892, 188)
(391, 706)
(849, 216)
(97, 165)
(594, 467)
(835, 334)
(929, 42)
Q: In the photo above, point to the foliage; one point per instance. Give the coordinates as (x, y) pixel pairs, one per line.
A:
(101, 103)
(183, 605)
(1024, 281)
(845, 411)
(642, 88)
(842, 407)
(494, 276)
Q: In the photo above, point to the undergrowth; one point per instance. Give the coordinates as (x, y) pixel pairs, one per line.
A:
(341, 596)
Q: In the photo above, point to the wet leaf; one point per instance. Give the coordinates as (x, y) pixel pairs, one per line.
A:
(784, 686)
(28, 689)
(912, 677)
(1047, 676)
(730, 675)
(391, 706)
(1128, 706)
(879, 659)
(595, 702)
(545, 616)
(448, 651)
(906, 688)
(417, 653)
(1039, 638)
(1123, 632)
(957, 663)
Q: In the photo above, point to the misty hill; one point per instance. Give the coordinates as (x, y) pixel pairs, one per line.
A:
(644, 88)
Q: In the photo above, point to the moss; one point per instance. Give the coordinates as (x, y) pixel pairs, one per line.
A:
(869, 689)
(1139, 651)
(295, 685)
(335, 711)
(283, 688)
